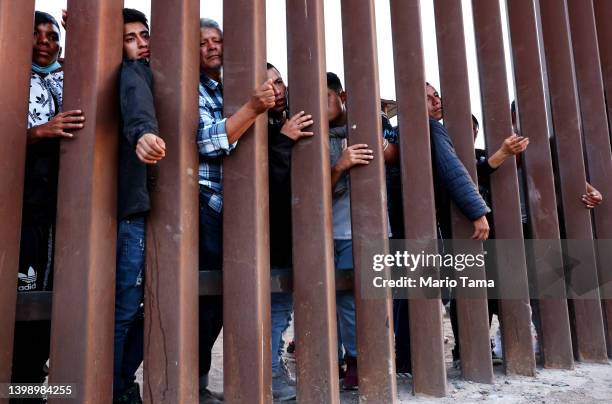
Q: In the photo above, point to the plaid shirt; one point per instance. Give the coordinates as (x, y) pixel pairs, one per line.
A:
(212, 142)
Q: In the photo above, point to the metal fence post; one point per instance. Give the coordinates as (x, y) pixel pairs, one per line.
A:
(596, 137)
(84, 287)
(474, 342)
(511, 268)
(15, 40)
(587, 315)
(246, 255)
(171, 287)
(313, 264)
(368, 209)
(426, 337)
(603, 9)
(537, 164)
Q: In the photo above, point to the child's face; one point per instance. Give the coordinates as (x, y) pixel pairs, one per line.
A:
(45, 46)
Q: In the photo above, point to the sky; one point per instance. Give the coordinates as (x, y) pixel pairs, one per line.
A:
(277, 40)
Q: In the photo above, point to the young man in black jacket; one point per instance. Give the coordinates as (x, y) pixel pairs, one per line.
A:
(140, 147)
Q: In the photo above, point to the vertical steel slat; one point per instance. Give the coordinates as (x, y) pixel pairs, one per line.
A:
(555, 340)
(587, 315)
(313, 264)
(84, 289)
(474, 342)
(596, 136)
(426, 337)
(368, 202)
(511, 265)
(246, 254)
(603, 11)
(16, 20)
(171, 281)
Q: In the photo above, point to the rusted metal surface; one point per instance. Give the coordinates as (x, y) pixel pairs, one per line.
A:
(32, 306)
(474, 342)
(595, 134)
(281, 280)
(246, 257)
(537, 164)
(16, 21)
(511, 265)
(603, 11)
(171, 288)
(426, 338)
(313, 263)
(84, 288)
(368, 209)
(587, 315)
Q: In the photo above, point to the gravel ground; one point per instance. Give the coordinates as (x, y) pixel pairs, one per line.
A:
(588, 383)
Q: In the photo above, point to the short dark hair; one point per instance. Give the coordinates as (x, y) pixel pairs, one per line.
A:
(40, 17)
(475, 122)
(334, 83)
(270, 66)
(132, 15)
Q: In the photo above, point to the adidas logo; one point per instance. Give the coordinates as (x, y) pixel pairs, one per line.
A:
(29, 280)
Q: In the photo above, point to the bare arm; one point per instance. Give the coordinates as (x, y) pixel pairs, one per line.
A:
(511, 146)
(390, 152)
(261, 100)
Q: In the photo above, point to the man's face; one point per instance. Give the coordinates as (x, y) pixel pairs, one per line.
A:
(280, 90)
(211, 49)
(335, 106)
(136, 41)
(45, 45)
(434, 103)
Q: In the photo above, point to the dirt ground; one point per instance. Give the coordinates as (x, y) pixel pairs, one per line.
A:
(588, 383)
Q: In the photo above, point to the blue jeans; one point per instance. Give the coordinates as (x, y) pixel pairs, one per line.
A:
(129, 316)
(282, 306)
(345, 300)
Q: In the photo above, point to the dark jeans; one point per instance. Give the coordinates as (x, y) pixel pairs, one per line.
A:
(281, 305)
(30, 351)
(401, 322)
(211, 259)
(129, 293)
(211, 307)
(32, 338)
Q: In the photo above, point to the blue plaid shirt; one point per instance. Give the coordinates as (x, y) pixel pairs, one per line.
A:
(212, 142)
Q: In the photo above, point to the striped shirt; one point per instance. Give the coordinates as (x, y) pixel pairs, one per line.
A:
(212, 142)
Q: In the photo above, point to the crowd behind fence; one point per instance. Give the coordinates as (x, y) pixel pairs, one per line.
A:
(562, 62)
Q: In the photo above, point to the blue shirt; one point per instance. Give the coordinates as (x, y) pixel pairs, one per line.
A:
(212, 142)
(450, 173)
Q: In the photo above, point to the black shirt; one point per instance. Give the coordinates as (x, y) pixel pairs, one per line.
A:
(279, 157)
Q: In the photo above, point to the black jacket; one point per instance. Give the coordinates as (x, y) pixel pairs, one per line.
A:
(484, 171)
(279, 163)
(138, 117)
